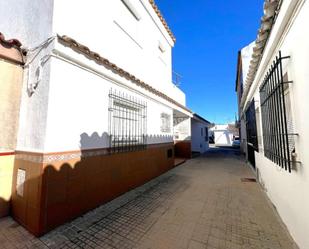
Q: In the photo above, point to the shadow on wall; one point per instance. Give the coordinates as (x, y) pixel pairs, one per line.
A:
(4, 206)
(67, 185)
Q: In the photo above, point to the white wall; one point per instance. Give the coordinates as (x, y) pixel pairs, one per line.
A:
(289, 192)
(182, 129)
(110, 29)
(30, 21)
(223, 137)
(78, 110)
(198, 142)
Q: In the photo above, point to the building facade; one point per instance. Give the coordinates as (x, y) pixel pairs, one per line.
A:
(224, 134)
(199, 134)
(273, 108)
(98, 109)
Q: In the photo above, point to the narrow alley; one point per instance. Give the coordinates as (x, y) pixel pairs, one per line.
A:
(207, 202)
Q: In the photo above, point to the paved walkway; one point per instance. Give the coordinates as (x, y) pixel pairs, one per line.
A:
(201, 204)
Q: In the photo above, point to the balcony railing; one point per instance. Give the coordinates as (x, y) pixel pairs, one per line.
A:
(176, 78)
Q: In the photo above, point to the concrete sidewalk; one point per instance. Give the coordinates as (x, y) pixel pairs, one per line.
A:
(201, 204)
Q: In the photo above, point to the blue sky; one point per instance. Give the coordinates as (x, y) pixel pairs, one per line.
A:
(209, 34)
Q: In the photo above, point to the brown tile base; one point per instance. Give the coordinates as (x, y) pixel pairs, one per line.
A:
(59, 191)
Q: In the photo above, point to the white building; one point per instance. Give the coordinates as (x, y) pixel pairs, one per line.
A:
(223, 135)
(273, 104)
(98, 105)
(199, 134)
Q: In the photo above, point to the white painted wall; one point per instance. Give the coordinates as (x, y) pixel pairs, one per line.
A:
(30, 21)
(182, 129)
(198, 141)
(110, 29)
(222, 135)
(289, 192)
(78, 110)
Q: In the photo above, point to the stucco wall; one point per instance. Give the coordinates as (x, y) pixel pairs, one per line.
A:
(111, 30)
(289, 192)
(27, 20)
(78, 105)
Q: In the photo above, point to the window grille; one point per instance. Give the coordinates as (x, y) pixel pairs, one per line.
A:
(278, 136)
(127, 123)
(165, 122)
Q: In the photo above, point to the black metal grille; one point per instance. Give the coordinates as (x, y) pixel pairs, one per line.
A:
(127, 123)
(252, 138)
(277, 135)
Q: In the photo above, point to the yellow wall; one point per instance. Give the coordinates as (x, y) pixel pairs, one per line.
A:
(6, 176)
(11, 78)
(10, 94)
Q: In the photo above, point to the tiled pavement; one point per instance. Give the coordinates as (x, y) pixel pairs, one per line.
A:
(200, 204)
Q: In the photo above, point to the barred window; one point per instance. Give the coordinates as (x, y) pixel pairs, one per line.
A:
(127, 123)
(277, 125)
(165, 122)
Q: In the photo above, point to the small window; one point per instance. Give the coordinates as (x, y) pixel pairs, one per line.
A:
(169, 153)
(131, 8)
(206, 134)
(165, 122)
(201, 131)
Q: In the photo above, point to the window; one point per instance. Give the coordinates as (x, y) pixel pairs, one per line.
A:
(206, 134)
(278, 134)
(165, 122)
(169, 153)
(201, 131)
(127, 123)
(131, 8)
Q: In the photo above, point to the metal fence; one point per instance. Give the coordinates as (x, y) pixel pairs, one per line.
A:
(278, 140)
(127, 122)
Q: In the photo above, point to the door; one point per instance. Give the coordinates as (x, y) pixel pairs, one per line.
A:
(252, 139)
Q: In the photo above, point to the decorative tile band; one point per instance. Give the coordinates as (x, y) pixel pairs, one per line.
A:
(72, 155)
(57, 157)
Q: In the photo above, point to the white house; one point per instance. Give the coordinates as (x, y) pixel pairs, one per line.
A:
(199, 134)
(273, 105)
(98, 105)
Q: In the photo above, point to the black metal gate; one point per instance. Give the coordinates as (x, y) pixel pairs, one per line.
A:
(252, 139)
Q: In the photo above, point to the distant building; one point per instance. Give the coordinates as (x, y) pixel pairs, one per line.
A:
(199, 134)
(224, 135)
(274, 114)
